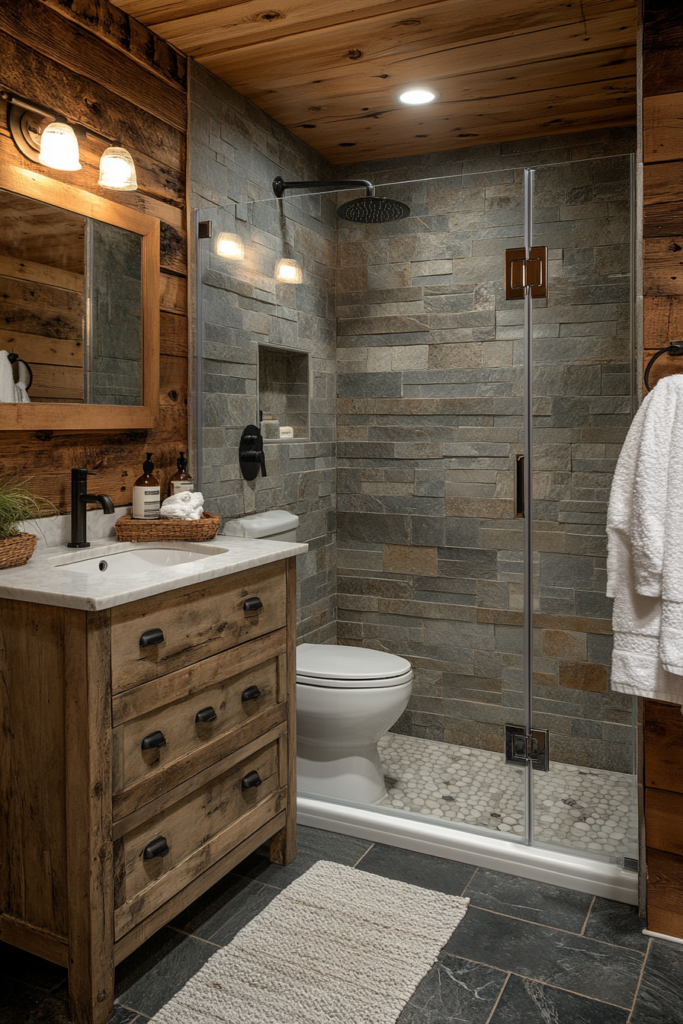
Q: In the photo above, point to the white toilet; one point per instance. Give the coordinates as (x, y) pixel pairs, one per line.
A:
(347, 697)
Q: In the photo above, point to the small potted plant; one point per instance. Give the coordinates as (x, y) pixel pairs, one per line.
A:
(17, 504)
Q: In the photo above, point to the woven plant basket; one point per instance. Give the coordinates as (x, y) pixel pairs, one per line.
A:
(146, 530)
(17, 550)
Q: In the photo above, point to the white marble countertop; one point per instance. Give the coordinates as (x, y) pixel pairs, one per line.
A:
(42, 581)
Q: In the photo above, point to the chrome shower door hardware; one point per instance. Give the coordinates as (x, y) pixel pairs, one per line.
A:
(522, 748)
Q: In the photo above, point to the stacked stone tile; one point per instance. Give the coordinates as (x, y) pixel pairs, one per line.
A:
(236, 151)
(429, 425)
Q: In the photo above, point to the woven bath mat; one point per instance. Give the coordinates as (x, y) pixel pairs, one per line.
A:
(337, 946)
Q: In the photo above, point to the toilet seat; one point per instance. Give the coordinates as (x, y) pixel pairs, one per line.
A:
(337, 666)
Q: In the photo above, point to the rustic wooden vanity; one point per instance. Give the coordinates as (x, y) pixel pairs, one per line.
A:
(146, 750)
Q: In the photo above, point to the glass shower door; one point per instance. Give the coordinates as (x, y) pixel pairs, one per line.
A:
(581, 393)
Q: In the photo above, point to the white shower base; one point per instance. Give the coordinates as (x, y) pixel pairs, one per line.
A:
(484, 793)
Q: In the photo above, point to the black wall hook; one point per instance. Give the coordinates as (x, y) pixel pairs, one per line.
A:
(251, 454)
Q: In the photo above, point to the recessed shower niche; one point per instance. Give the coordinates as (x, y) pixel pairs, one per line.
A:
(283, 391)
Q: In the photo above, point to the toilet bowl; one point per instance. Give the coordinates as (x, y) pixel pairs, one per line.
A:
(347, 697)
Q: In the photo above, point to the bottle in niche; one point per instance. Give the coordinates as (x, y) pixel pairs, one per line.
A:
(181, 481)
(146, 493)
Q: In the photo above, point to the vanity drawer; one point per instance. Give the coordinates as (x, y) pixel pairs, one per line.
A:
(194, 826)
(188, 723)
(160, 634)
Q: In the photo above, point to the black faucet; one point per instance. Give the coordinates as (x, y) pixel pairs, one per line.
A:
(79, 500)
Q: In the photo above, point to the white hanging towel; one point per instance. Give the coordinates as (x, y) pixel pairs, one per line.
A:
(642, 570)
(23, 382)
(8, 389)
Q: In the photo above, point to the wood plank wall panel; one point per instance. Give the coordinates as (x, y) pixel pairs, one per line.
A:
(662, 68)
(330, 72)
(663, 180)
(99, 66)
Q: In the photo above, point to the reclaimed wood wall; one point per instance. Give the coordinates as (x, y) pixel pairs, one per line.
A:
(663, 324)
(97, 65)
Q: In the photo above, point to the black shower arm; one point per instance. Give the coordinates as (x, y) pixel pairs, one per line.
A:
(279, 185)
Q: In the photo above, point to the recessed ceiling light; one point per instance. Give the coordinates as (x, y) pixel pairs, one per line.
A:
(414, 97)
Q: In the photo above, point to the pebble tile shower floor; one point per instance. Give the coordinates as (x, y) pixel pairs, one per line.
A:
(583, 808)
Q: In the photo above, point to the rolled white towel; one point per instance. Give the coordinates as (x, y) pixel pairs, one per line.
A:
(185, 505)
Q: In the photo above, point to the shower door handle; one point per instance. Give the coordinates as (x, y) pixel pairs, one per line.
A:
(519, 486)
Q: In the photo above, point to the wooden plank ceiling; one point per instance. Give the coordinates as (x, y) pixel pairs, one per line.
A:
(505, 69)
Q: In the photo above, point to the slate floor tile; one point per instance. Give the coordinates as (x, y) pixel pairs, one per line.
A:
(313, 844)
(530, 1002)
(660, 999)
(147, 979)
(544, 954)
(617, 923)
(532, 901)
(225, 909)
(124, 1016)
(454, 991)
(422, 869)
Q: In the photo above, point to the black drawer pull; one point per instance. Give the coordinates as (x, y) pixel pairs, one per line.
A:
(250, 780)
(157, 848)
(206, 715)
(252, 604)
(151, 637)
(251, 693)
(155, 739)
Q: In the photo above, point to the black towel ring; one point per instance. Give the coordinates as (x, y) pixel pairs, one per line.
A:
(676, 349)
(14, 358)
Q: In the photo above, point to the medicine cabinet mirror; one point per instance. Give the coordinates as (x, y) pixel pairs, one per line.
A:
(79, 308)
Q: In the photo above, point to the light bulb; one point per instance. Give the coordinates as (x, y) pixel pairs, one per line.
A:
(59, 147)
(288, 271)
(413, 97)
(117, 170)
(230, 247)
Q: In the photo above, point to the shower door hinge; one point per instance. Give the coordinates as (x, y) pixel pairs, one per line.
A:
(204, 229)
(522, 273)
(522, 748)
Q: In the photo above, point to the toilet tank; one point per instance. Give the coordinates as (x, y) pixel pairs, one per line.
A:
(277, 524)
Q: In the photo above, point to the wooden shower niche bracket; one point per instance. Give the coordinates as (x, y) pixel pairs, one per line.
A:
(522, 273)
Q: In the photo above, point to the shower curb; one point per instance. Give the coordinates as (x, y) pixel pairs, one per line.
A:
(553, 866)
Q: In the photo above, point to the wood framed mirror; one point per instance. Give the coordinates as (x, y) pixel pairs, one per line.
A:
(79, 309)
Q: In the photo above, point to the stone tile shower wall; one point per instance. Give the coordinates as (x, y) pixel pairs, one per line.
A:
(236, 151)
(429, 425)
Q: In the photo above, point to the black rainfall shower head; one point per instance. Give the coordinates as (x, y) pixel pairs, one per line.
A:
(370, 209)
(373, 210)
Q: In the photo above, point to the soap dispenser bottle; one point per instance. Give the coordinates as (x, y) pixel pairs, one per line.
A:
(181, 481)
(146, 493)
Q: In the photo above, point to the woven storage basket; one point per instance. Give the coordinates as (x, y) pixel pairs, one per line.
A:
(147, 530)
(17, 550)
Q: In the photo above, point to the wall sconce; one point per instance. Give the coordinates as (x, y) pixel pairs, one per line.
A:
(230, 247)
(117, 170)
(44, 136)
(59, 147)
(288, 272)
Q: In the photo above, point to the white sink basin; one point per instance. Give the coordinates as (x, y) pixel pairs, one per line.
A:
(133, 562)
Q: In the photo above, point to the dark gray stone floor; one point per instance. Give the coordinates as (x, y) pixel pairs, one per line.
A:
(525, 953)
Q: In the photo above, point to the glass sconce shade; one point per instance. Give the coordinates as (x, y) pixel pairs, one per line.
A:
(59, 147)
(231, 247)
(288, 271)
(117, 170)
